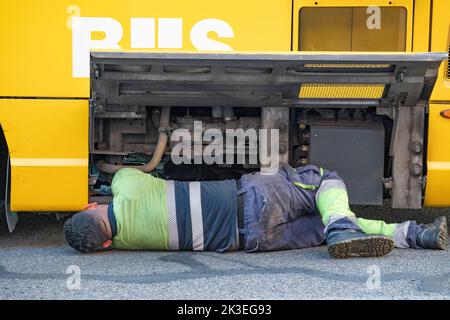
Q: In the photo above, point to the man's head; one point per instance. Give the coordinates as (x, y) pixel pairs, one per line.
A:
(88, 230)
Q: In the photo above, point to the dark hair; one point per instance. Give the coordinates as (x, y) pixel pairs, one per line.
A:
(83, 232)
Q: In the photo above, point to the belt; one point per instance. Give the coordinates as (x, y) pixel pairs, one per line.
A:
(240, 215)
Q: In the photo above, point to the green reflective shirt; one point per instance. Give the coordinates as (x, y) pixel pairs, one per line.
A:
(140, 211)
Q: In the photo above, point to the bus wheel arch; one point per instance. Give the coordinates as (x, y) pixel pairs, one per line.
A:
(4, 153)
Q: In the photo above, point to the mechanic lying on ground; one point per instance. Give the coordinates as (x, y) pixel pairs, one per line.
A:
(294, 208)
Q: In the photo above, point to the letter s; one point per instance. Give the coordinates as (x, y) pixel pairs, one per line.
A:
(199, 34)
(82, 42)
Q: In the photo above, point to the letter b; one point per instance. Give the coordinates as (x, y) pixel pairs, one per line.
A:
(82, 42)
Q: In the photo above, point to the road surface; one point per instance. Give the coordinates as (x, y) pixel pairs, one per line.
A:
(35, 263)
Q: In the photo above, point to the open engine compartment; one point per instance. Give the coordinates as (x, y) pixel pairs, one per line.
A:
(363, 115)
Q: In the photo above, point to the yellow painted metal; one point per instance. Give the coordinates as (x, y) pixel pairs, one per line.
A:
(437, 191)
(390, 37)
(421, 36)
(317, 33)
(37, 50)
(440, 41)
(438, 159)
(341, 91)
(348, 29)
(320, 30)
(48, 138)
(48, 145)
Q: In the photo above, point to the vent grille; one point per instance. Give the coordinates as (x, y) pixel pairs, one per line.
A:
(341, 91)
(342, 68)
(347, 65)
(127, 68)
(186, 69)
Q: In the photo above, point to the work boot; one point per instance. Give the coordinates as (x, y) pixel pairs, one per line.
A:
(434, 234)
(349, 243)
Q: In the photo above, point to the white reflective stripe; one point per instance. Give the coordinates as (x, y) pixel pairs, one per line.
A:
(330, 184)
(335, 217)
(172, 216)
(49, 162)
(195, 202)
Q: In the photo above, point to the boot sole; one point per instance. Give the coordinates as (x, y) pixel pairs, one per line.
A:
(373, 246)
(442, 224)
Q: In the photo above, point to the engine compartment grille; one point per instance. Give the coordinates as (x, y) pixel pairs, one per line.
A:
(341, 91)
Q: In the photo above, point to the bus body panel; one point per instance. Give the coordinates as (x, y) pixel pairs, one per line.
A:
(43, 48)
(40, 58)
(438, 161)
(359, 29)
(437, 191)
(48, 147)
(440, 41)
(39, 62)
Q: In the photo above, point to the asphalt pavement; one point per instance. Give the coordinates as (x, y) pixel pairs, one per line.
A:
(35, 263)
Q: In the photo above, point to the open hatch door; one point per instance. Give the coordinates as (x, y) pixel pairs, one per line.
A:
(396, 85)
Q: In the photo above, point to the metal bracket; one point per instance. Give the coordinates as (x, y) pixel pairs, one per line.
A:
(387, 106)
(277, 118)
(407, 153)
(388, 183)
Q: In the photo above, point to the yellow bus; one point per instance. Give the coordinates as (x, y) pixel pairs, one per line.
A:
(370, 89)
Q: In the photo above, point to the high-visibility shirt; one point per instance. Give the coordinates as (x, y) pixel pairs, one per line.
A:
(154, 214)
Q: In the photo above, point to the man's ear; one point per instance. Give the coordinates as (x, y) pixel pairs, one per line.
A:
(91, 206)
(106, 244)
